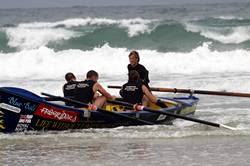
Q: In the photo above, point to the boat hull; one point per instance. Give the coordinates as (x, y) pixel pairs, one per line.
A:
(21, 110)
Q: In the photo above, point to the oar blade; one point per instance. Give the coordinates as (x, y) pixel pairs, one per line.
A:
(228, 127)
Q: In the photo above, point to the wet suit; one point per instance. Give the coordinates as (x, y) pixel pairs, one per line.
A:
(143, 72)
(69, 91)
(132, 92)
(84, 91)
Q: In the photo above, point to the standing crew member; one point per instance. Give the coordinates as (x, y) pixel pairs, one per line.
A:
(69, 88)
(86, 90)
(134, 90)
(134, 60)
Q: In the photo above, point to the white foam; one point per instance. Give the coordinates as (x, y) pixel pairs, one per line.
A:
(229, 17)
(133, 132)
(136, 26)
(200, 60)
(227, 35)
(75, 22)
(31, 38)
(46, 63)
(37, 34)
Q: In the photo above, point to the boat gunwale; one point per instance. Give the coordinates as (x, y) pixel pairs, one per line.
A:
(39, 100)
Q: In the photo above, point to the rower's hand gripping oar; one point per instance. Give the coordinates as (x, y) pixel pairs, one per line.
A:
(203, 92)
(98, 109)
(139, 107)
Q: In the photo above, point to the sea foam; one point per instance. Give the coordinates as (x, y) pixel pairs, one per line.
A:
(48, 63)
(31, 38)
(226, 35)
(36, 34)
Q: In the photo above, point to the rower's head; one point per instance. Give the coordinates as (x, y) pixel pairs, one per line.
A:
(133, 76)
(134, 58)
(70, 77)
(92, 75)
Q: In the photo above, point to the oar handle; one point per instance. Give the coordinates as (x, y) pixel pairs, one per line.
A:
(190, 91)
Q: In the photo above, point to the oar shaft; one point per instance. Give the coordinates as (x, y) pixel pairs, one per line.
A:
(184, 117)
(204, 92)
(177, 116)
(67, 100)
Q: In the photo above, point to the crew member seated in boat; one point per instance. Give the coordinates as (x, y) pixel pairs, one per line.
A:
(86, 90)
(134, 90)
(69, 89)
(134, 60)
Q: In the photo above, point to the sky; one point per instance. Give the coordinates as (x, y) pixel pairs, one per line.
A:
(69, 3)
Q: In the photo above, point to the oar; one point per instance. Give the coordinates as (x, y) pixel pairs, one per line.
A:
(174, 115)
(204, 92)
(99, 109)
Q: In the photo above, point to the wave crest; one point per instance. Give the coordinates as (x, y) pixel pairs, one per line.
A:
(47, 63)
(36, 34)
(161, 35)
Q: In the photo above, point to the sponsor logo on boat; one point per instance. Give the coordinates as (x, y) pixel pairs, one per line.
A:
(10, 108)
(22, 127)
(16, 103)
(87, 114)
(25, 119)
(161, 117)
(56, 114)
(23, 123)
(58, 125)
(49, 124)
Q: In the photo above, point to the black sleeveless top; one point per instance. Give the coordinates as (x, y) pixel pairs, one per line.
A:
(69, 91)
(132, 92)
(84, 91)
(143, 72)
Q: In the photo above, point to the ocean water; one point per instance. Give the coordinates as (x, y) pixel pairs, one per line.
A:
(183, 46)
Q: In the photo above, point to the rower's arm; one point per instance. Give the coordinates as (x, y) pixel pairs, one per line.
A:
(99, 88)
(149, 95)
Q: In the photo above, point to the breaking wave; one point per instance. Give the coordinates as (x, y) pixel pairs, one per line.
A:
(225, 33)
(47, 63)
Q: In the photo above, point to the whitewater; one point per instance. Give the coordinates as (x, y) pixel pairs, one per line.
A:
(183, 46)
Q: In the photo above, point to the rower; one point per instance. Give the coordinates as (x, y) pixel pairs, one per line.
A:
(86, 90)
(134, 60)
(134, 90)
(69, 88)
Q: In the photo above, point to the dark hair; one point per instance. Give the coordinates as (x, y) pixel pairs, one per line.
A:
(133, 76)
(136, 54)
(69, 76)
(91, 73)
